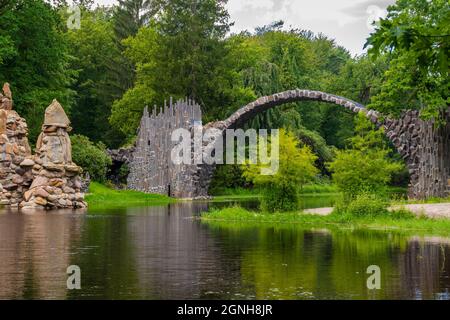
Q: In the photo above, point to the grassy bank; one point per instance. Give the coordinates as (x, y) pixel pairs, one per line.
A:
(236, 193)
(401, 221)
(248, 193)
(101, 196)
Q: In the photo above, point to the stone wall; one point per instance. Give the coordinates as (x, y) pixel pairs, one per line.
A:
(46, 180)
(151, 168)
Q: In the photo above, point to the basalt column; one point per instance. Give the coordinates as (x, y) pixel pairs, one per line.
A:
(431, 164)
(425, 147)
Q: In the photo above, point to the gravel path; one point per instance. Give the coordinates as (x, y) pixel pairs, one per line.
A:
(434, 210)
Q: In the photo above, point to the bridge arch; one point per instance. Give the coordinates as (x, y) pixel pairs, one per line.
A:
(263, 104)
(424, 146)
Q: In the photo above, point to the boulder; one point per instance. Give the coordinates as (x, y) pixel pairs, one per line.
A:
(27, 163)
(40, 192)
(39, 181)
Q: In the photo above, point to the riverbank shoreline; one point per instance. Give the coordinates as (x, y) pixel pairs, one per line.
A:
(400, 221)
(100, 196)
(430, 210)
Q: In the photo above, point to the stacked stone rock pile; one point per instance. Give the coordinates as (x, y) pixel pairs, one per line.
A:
(15, 177)
(57, 182)
(49, 179)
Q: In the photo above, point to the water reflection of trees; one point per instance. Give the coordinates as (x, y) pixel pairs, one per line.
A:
(177, 257)
(293, 263)
(162, 253)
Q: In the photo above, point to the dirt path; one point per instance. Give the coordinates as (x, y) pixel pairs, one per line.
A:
(434, 210)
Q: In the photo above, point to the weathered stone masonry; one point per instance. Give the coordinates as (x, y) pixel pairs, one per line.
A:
(151, 169)
(424, 148)
(49, 179)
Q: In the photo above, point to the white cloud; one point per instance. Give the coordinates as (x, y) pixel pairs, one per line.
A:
(344, 20)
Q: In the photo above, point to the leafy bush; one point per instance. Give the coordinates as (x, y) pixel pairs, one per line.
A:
(91, 157)
(367, 205)
(367, 167)
(280, 198)
(227, 177)
(402, 213)
(296, 168)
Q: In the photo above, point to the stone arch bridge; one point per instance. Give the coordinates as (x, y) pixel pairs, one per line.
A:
(425, 149)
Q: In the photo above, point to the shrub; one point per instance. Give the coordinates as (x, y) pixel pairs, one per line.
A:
(366, 205)
(402, 213)
(280, 198)
(296, 168)
(368, 166)
(91, 157)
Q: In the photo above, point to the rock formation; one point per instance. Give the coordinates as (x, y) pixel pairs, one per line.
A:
(57, 182)
(15, 174)
(47, 180)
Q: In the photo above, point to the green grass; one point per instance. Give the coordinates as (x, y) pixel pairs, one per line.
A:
(401, 220)
(236, 192)
(319, 189)
(101, 196)
(245, 193)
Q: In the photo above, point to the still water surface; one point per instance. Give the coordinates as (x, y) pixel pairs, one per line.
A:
(162, 253)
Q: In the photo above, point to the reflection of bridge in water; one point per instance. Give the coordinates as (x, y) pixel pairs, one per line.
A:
(425, 149)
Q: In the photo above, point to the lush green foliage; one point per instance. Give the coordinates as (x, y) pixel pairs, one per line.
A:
(91, 157)
(296, 168)
(367, 166)
(416, 37)
(35, 59)
(400, 219)
(94, 54)
(364, 204)
(180, 55)
(139, 53)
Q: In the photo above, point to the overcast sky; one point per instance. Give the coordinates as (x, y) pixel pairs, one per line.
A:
(347, 21)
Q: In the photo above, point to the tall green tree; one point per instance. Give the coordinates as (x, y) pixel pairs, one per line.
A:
(183, 53)
(416, 37)
(94, 48)
(37, 61)
(129, 16)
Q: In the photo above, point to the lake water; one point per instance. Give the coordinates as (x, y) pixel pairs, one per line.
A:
(163, 253)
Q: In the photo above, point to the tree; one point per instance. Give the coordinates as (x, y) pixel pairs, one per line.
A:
(181, 54)
(366, 168)
(93, 48)
(36, 63)
(296, 168)
(415, 37)
(129, 16)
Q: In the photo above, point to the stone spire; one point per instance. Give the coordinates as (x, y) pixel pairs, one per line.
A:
(7, 91)
(55, 116)
(57, 182)
(6, 98)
